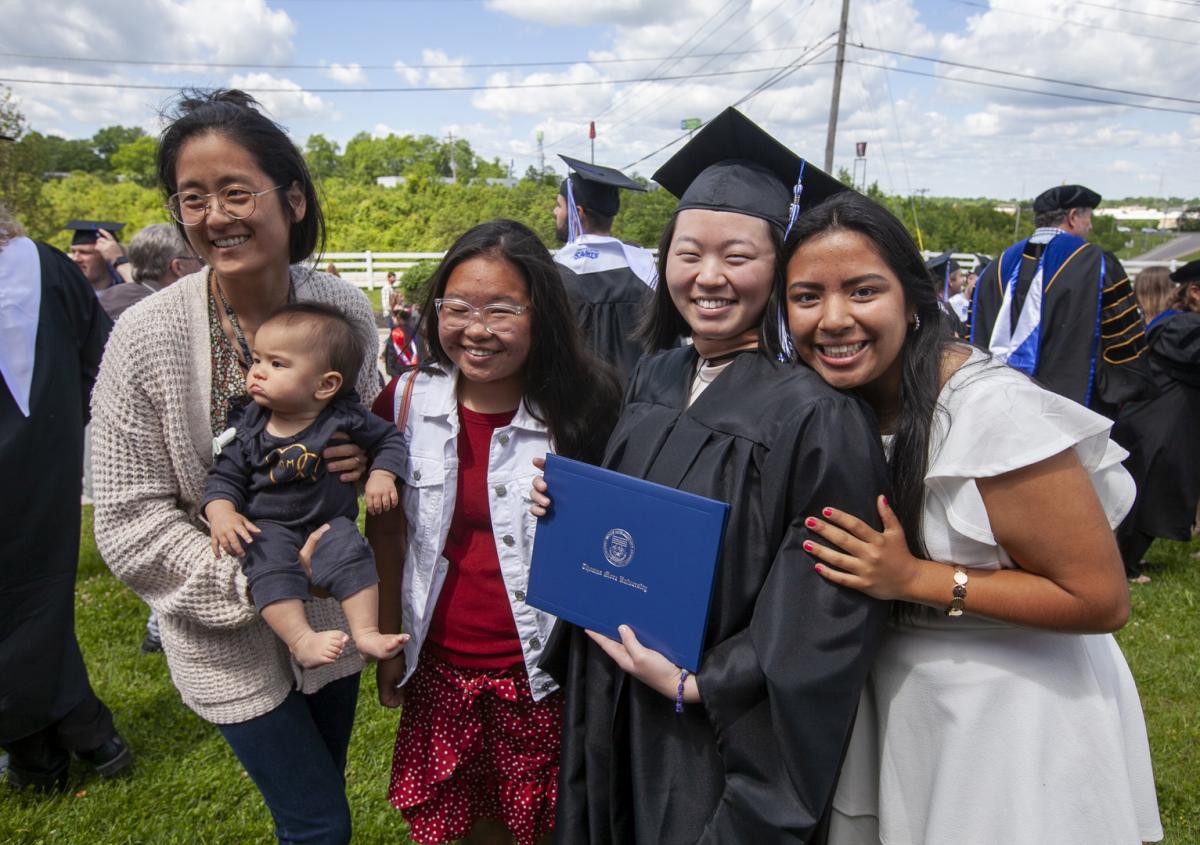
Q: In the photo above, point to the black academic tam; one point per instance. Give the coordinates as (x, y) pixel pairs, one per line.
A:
(786, 653)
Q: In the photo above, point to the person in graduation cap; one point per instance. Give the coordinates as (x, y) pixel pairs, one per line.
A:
(1062, 310)
(608, 281)
(52, 333)
(1160, 434)
(88, 256)
(748, 748)
(948, 278)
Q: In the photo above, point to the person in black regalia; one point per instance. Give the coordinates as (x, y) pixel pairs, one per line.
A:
(1081, 336)
(1160, 434)
(748, 749)
(948, 279)
(609, 282)
(52, 333)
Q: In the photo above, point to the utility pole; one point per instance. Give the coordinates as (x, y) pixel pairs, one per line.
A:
(837, 87)
(541, 153)
(453, 164)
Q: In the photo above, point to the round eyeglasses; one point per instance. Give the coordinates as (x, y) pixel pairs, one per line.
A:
(190, 208)
(497, 318)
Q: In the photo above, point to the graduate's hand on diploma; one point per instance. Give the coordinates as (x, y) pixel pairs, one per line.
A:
(540, 494)
(647, 665)
(876, 563)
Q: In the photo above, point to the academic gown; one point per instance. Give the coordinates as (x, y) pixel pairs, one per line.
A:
(786, 653)
(42, 675)
(1092, 335)
(1161, 434)
(608, 305)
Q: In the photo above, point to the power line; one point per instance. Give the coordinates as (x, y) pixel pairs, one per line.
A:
(409, 89)
(1134, 12)
(757, 90)
(361, 66)
(1031, 76)
(994, 8)
(1057, 94)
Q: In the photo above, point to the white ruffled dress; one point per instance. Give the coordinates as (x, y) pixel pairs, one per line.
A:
(977, 732)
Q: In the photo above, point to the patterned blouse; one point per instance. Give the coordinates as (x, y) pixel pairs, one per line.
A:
(228, 377)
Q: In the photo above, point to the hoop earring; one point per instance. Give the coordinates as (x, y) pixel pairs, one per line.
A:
(916, 323)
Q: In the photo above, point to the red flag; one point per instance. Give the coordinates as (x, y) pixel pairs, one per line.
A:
(592, 130)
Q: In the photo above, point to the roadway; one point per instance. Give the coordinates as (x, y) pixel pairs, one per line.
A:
(1177, 247)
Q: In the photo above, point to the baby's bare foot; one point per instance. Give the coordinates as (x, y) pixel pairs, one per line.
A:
(380, 646)
(317, 648)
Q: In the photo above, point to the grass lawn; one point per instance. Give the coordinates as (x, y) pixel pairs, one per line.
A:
(189, 788)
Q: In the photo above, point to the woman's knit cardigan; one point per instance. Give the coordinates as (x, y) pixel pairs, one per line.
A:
(151, 449)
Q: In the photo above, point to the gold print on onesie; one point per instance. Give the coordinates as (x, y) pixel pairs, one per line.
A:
(293, 463)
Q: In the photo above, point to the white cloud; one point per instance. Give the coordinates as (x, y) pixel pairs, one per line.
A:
(351, 74)
(410, 75)
(556, 12)
(452, 74)
(282, 98)
(382, 130)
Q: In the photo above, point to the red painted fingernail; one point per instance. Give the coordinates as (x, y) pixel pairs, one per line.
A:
(827, 511)
(885, 501)
(810, 522)
(818, 568)
(807, 546)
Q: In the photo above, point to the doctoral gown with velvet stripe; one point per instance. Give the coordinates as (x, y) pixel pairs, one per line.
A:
(42, 675)
(786, 652)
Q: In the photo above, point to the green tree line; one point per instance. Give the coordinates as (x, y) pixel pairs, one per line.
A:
(446, 188)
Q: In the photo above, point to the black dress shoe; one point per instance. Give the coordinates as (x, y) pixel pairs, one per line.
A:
(53, 781)
(110, 759)
(151, 644)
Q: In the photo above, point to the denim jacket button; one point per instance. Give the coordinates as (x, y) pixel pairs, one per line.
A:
(501, 490)
(508, 540)
(503, 439)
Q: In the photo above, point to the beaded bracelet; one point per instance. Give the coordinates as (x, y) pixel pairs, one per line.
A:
(683, 673)
(959, 602)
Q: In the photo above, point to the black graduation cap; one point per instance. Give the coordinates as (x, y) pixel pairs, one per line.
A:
(1189, 272)
(733, 165)
(942, 265)
(1065, 197)
(981, 262)
(86, 230)
(595, 187)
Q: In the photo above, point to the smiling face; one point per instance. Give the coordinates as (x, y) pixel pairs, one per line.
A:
(289, 375)
(847, 314)
(481, 356)
(255, 245)
(719, 270)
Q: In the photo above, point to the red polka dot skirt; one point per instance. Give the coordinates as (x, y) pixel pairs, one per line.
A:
(473, 744)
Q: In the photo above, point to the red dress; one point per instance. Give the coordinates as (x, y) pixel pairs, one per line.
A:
(472, 743)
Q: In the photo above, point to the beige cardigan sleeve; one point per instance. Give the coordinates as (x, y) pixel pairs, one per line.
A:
(145, 535)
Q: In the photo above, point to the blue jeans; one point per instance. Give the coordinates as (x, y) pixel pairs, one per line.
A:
(296, 756)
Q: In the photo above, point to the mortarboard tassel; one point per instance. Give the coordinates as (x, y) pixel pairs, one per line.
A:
(574, 227)
(794, 210)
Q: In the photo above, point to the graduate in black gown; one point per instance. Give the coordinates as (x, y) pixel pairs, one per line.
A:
(948, 279)
(52, 334)
(610, 283)
(753, 753)
(1084, 338)
(1160, 434)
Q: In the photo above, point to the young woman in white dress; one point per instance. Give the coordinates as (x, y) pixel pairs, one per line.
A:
(1000, 708)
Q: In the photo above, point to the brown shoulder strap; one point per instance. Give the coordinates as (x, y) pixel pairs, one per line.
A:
(406, 401)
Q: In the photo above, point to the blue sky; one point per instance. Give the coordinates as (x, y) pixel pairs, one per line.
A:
(923, 133)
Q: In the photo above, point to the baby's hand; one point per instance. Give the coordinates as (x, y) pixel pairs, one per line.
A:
(228, 528)
(381, 492)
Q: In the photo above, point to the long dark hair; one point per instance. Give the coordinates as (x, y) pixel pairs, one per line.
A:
(576, 392)
(236, 115)
(922, 352)
(662, 325)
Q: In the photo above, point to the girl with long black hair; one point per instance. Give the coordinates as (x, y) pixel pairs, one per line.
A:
(998, 709)
(477, 750)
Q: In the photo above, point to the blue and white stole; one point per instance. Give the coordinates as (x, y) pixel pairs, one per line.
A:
(1019, 346)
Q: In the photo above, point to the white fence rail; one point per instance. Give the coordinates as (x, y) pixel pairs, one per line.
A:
(369, 269)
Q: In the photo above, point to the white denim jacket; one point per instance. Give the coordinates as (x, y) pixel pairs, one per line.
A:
(430, 486)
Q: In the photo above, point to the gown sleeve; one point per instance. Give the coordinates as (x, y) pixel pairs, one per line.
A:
(782, 693)
(1123, 371)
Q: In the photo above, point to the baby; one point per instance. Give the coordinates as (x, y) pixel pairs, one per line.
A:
(268, 487)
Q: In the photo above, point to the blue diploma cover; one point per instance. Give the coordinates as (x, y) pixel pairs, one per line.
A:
(620, 550)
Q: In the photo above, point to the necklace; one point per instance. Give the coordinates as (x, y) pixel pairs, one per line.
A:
(245, 359)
